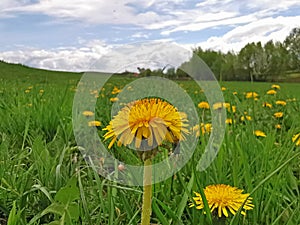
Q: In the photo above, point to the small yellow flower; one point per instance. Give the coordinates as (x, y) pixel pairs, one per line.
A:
(203, 105)
(41, 91)
(228, 121)
(116, 90)
(206, 128)
(27, 91)
(278, 126)
(280, 102)
(226, 105)
(296, 139)
(87, 113)
(278, 114)
(114, 99)
(235, 93)
(243, 118)
(275, 86)
(223, 88)
(266, 104)
(224, 198)
(251, 95)
(94, 123)
(220, 105)
(271, 92)
(233, 108)
(259, 133)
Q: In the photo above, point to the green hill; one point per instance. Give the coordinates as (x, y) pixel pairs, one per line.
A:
(20, 72)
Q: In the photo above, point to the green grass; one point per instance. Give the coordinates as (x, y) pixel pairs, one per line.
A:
(44, 178)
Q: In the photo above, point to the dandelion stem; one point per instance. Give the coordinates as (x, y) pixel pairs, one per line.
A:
(147, 194)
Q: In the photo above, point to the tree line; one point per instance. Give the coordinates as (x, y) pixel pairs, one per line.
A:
(273, 61)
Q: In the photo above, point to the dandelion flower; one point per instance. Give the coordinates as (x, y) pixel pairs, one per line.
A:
(259, 133)
(271, 92)
(94, 123)
(266, 104)
(223, 88)
(87, 113)
(275, 86)
(243, 118)
(278, 114)
(251, 95)
(220, 105)
(228, 121)
(203, 105)
(235, 93)
(296, 139)
(233, 108)
(280, 102)
(116, 91)
(114, 99)
(224, 198)
(206, 128)
(278, 126)
(152, 119)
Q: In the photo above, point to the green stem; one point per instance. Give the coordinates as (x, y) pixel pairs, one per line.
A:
(147, 194)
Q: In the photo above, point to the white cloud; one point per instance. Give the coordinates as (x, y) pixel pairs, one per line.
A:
(140, 35)
(262, 30)
(99, 57)
(63, 58)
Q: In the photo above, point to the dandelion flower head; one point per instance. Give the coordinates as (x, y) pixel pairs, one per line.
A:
(152, 120)
(224, 198)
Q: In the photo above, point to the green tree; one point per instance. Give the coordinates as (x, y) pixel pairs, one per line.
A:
(292, 44)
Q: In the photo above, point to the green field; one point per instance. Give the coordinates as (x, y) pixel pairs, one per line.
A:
(45, 179)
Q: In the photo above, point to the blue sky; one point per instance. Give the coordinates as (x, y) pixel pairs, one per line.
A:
(73, 34)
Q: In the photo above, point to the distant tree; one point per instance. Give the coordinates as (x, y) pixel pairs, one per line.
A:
(292, 44)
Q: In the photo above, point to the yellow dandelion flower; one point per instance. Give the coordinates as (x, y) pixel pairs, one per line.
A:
(152, 120)
(27, 91)
(233, 108)
(228, 121)
(278, 114)
(266, 104)
(223, 88)
(116, 90)
(275, 86)
(235, 93)
(218, 105)
(87, 113)
(259, 133)
(280, 102)
(278, 126)
(224, 198)
(203, 105)
(296, 139)
(251, 95)
(114, 99)
(206, 128)
(271, 92)
(243, 118)
(196, 130)
(94, 123)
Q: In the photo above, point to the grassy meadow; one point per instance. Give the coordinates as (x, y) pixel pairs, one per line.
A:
(44, 178)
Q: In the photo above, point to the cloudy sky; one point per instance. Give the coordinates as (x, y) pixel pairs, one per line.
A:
(74, 34)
